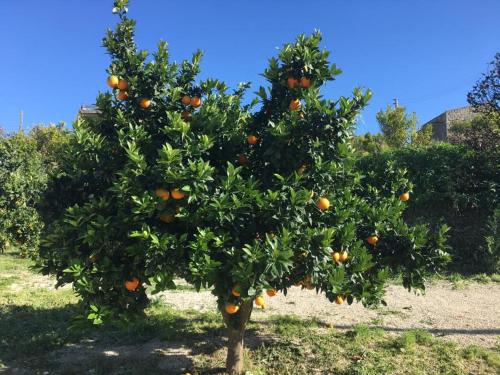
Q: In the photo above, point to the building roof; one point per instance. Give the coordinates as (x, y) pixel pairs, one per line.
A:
(89, 111)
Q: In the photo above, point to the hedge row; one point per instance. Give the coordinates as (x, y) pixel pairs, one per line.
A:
(23, 180)
(456, 185)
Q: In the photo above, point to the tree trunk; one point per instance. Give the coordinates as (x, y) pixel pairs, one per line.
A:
(235, 333)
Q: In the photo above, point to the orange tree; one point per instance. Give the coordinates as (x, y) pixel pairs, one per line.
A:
(178, 179)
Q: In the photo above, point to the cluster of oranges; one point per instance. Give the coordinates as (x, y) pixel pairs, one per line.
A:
(165, 195)
(292, 83)
(122, 85)
(340, 256)
(232, 308)
(193, 101)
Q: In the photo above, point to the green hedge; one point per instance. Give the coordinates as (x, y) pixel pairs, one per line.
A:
(22, 182)
(456, 185)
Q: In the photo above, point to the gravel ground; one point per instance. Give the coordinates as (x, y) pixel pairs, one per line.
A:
(469, 315)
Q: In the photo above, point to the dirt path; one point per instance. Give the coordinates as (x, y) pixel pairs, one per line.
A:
(470, 315)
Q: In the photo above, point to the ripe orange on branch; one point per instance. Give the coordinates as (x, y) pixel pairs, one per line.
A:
(236, 291)
(305, 82)
(372, 240)
(252, 139)
(195, 101)
(404, 197)
(343, 256)
(294, 104)
(259, 301)
(113, 82)
(122, 95)
(177, 194)
(231, 308)
(336, 256)
(132, 285)
(271, 292)
(163, 194)
(323, 203)
(339, 300)
(122, 84)
(291, 82)
(145, 103)
(186, 100)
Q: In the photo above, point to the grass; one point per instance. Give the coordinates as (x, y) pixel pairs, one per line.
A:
(38, 334)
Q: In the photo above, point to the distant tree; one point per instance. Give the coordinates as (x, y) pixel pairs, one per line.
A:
(51, 141)
(481, 134)
(485, 95)
(368, 143)
(423, 137)
(397, 126)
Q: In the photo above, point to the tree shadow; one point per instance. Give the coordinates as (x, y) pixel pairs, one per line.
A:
(36, 340)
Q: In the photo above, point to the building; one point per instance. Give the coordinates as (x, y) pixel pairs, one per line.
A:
(89, 111)
(441, 124)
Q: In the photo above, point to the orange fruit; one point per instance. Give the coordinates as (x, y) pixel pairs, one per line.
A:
(294, 104)
(186, 115)
(343, 256)
(259, 301)
(195, 101)
(339, 300)
(236, 291)
(323, 203)
(122, 95)
(305, 82)
(231, 308)
(252, 139)
(372, 240)
(186, 100)
(291, 82)
(163, 194)
(271, 292)
(122, 84)
(301, 170)
(167, 218)
(177, 194)
(336, 256)
(404, 197)
(242, 159)
(145, 103)
(113, 82)
(132, 285)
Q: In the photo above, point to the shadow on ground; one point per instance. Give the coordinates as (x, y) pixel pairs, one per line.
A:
(36, 341)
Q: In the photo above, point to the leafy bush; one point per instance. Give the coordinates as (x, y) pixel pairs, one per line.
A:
(22, 182)
(453, 183)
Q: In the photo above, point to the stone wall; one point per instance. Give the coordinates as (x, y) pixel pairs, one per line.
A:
(441, 124)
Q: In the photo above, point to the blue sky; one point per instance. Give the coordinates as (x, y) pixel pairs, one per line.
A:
(427, 53)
